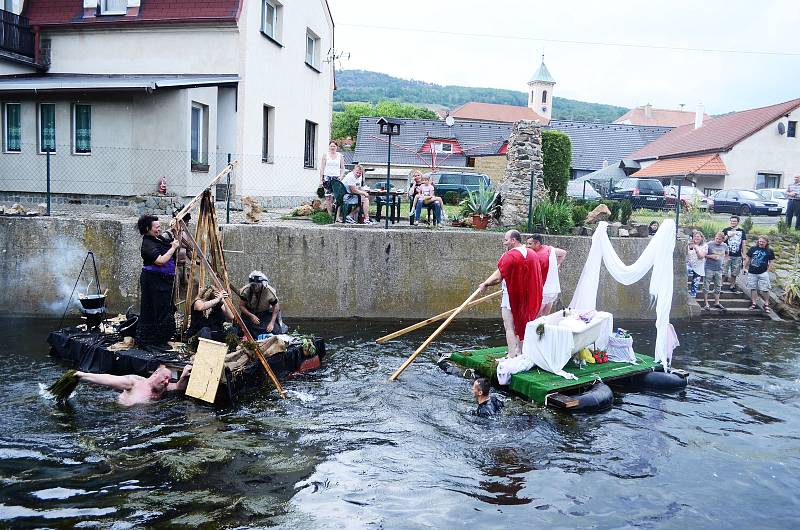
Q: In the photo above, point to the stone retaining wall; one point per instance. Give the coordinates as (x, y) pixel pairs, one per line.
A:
(319, 271)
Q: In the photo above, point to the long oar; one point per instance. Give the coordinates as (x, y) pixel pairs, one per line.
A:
(431, 320)
(424, 345)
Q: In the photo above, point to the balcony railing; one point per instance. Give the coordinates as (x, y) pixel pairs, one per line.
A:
(16, 35)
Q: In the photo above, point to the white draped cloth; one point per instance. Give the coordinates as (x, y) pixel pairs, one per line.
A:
(552, 286)
(656, 256)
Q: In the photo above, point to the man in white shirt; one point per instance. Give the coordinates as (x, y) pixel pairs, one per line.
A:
(356, 196)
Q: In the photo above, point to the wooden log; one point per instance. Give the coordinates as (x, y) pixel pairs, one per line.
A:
(431, 320)
(191, 204)
(562, 401)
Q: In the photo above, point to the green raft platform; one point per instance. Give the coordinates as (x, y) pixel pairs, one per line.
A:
(539, 385)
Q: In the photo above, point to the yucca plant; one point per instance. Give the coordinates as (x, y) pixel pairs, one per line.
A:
(482, 202)
(791, 289)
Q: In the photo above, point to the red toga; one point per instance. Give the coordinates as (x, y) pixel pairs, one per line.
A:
(524, 282)
(544, 260)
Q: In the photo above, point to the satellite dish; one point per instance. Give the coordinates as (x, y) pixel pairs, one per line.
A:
(449, 121)
(781, 128)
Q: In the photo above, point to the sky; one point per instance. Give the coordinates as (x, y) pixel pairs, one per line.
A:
(620, 52)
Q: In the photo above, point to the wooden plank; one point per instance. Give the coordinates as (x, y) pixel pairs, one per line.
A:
(207, 370)
(562, 401)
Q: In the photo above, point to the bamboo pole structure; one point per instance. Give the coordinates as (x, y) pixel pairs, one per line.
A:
(191, 204)
(436, 318)
(425, 344)
(212, 276)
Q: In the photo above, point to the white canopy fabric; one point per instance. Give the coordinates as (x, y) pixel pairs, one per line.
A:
(656, 256)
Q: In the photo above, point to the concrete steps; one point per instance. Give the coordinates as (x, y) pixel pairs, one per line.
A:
(737, 306)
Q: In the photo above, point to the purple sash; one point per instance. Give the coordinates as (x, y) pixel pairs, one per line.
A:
(168, 268)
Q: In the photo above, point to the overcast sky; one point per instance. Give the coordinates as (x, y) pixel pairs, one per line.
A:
(499, 44)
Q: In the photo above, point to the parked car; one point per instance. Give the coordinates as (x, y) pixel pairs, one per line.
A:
(643, 193)
(775, 195)
(744, 202)
(582, 189)
(689, 196)
(463, 183)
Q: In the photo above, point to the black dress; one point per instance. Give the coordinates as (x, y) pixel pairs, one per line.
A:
(156, 323)
(209, 327)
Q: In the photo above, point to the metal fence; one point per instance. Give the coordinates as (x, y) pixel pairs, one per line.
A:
(114, 176)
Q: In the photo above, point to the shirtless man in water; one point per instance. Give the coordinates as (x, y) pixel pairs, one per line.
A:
(137, 389)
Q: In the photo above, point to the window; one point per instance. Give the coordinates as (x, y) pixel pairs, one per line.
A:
(114, 7)
(271, 19)
(13, 128)
(768, 180)
(268, 128)
(82, 128)
(309, 154)
(442, 147)
(312, 50)
(791, 130)
(199, 137)
(544, 96)
(47, 127)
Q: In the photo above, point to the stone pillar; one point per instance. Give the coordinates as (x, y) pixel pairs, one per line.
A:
(524, 162)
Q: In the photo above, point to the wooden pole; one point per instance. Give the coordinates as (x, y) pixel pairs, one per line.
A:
(424, 345)
(212, 276)
(437, 318)
(191, 204)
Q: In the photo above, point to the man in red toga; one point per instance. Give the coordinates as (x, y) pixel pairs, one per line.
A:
(520, 273)
(548, 256)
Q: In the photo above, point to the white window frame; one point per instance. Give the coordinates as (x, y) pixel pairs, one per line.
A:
(121, 7)
(39, 127)
(74, 129)
(202, 135)
(276, 19)
(314, 40)
(5, 127)
(268, 134)
(439, 147)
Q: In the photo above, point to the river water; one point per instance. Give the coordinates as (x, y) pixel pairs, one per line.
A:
(351, 450)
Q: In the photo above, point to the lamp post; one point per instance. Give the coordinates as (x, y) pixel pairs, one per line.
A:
(390, 127)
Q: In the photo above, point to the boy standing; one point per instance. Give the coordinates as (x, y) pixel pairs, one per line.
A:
(736, 239)
(717, 250)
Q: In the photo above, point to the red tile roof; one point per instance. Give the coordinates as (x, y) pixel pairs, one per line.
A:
(494, 112)
(717, 134)
(70, 12)
(686, 165)
(658, 117)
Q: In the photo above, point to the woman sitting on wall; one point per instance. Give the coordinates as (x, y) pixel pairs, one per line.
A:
(156, 324)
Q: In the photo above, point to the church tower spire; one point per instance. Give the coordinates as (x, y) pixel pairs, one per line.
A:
(540, 91)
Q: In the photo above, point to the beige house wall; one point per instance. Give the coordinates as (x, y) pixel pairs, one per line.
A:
(493, 166)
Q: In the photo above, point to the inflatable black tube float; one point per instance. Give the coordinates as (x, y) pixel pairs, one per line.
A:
(661, 381)
(596, 399)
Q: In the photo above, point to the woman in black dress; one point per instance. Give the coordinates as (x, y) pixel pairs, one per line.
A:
(156, 324)
(209, 314)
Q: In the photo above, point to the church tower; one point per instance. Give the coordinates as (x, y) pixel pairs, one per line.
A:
(540, 91)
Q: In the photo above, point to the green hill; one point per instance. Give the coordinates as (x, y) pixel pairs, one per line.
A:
(372, 87)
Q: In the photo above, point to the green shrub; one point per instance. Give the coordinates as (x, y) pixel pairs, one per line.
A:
(451, 197)
(321, 218)
(747, 225)
(625, 211)
(579, 214)
(556, 158)
(553, 217)
(782, 227)
(709, 229)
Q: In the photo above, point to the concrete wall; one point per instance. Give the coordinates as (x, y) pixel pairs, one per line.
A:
(764, 152)
(320, 272)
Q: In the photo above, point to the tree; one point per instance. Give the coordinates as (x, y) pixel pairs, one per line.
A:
(556, 159)
(345, 123)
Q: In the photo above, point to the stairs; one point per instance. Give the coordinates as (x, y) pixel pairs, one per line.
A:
(736, 305)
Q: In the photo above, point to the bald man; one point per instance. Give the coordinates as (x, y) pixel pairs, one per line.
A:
(138, 390)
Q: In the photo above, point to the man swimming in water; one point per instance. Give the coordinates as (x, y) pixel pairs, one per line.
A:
(487, 405)
(137, 390)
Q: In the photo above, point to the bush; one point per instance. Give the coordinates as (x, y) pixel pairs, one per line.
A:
(556, 158)
(579, 214)
(747, 225)
(321, 218)
(625, 212)
(553, 217)
(614, 206)
(709, 229)
(452, 197)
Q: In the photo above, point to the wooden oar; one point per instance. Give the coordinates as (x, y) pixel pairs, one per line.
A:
(431, 320)
(424, 345)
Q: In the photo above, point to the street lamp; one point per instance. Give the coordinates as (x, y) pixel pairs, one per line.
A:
(390, 127)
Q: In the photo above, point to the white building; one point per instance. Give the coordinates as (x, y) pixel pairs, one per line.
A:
(750, 149)
(126, 91)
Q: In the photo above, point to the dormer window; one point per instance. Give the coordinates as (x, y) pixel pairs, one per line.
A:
(113, 7)
(441, 147)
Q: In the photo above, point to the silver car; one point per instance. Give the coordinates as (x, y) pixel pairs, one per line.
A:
(575, 189)
(775, 195)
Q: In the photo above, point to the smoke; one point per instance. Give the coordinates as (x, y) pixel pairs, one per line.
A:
(57, 269)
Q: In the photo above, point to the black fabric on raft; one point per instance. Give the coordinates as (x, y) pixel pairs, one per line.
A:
(157, 315)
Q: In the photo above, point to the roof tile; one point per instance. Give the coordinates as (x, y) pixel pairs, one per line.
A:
(70, 12)
(686, 165)
(474, 110)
